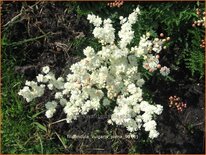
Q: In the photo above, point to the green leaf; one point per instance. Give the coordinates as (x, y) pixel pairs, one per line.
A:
(40, 126)
(37, 114)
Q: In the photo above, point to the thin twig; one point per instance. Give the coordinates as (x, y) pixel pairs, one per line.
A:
(27, 40)
(61, 140)
(187, 116)
(198, 124)
(15, 17)
(58, 121)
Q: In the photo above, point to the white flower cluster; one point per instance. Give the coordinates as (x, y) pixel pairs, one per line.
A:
(126, 34)
(150, 50)
(164, 71)
(51, 109)
(104, 33)
(32, 90)
(107, 76)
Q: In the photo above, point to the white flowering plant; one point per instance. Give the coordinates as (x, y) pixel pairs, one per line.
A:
(110, 75)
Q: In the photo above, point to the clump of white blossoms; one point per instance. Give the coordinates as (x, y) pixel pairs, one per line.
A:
(107, 76)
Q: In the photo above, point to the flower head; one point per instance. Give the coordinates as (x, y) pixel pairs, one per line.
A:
(46, 69)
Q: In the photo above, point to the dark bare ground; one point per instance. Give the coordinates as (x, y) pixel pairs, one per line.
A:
(179, 132)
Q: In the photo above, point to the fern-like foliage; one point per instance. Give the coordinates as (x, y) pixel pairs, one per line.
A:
(194, 60)
(195, 63)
